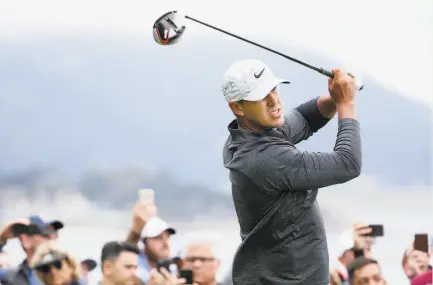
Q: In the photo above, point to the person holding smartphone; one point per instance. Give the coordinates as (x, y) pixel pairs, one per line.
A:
(416, 259)
(153, 232)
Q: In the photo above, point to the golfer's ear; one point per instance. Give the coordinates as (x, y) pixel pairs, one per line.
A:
(236, 108)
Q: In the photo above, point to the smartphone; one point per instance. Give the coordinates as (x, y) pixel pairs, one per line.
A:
(164, 263)
(188, 275)
(146, 195)
(376, 231)
(421, 242)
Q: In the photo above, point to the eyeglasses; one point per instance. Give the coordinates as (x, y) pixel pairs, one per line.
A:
(46, 268)
(193, 259)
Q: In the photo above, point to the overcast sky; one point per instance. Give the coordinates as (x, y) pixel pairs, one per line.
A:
(372, 36)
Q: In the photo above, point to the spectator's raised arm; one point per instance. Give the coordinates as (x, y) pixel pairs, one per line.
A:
(141, 214)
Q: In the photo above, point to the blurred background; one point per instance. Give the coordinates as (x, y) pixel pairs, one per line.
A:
(93, 110)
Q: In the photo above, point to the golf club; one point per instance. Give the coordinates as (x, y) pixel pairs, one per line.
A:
(170, 28)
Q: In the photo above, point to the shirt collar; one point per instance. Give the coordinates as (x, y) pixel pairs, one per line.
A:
(25, 268)
(239, 135)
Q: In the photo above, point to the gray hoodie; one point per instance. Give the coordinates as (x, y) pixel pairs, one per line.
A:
(274, 189)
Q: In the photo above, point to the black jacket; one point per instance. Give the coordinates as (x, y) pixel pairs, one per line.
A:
(274, 188)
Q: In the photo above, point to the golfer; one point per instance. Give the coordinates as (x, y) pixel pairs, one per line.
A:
(274, 184)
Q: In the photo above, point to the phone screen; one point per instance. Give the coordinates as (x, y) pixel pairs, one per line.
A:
(188, 275)
(146, 195)
(421, 242)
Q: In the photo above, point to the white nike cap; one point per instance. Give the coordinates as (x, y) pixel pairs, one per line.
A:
(156, 226)
(250, 80)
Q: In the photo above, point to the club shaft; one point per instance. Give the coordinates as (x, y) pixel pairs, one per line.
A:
(318, 69)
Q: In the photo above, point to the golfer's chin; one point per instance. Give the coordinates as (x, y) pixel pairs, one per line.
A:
(276, 122)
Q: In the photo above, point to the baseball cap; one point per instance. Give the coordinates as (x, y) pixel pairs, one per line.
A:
(155, 227)
(50, 257)
(250, 80)
(37, 226)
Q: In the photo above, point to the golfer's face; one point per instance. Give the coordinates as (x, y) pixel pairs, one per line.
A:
(266, 113)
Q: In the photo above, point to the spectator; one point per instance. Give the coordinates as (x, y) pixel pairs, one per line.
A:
(156, 238)
(31, 232)
(415, 263)
(87, 266)
(200, 256)
(351, 244)
(155, 235)
(119, 261)
(55, 266)
(365, 271)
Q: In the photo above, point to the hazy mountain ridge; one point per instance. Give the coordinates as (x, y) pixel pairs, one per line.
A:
(79, 104)
(113, 192)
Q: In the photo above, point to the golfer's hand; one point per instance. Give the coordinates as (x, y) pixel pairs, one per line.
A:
(342, 87)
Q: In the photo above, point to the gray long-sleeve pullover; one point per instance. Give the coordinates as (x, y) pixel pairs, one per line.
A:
(274, 188)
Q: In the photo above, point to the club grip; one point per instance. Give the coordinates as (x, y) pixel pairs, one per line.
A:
(358, 81)
(328, 73)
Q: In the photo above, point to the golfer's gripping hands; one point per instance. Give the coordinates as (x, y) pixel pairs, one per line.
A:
(342, 90)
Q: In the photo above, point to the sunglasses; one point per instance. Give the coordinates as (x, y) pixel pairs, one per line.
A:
(46, 268)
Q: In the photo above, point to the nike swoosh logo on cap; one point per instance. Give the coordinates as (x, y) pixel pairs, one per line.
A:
(260, 74)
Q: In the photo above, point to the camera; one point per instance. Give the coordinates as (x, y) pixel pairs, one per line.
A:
(175, 261)
(169, 262)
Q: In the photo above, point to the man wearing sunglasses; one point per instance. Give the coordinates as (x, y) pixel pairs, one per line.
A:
(54, 261)
(31, 232)
(53, 265)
